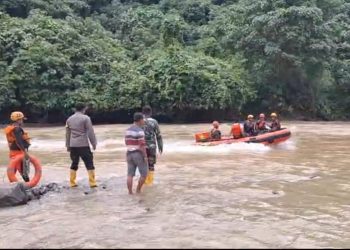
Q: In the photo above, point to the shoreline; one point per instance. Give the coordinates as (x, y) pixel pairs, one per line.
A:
(46, 125)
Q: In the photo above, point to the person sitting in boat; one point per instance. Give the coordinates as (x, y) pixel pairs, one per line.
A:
(275, 123)
(215, 132)
(236, 131)
(261, 125)
(249, 126)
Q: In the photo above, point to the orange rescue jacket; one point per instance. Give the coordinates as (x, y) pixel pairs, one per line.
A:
(11, 138)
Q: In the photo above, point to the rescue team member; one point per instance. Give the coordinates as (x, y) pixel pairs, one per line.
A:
(249, 126)
(79, 132)
(153, 139)
(261, 125)
(136, 155)
(275, 123)
(215, 132)
(18, 141)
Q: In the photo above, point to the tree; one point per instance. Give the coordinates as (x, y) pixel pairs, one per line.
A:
(179, 80)
(290, 56)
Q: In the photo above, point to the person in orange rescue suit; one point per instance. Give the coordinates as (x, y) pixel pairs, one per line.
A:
(261, 125)
(275, 123)
(18, 141)
(236, 131)
(249, 126)
(215, 132)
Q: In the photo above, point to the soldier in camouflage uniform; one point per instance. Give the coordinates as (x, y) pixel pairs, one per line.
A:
(153, 138)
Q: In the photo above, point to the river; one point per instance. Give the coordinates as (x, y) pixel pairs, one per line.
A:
(294, 195)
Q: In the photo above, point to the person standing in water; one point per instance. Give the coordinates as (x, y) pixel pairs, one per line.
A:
(18, 141)
(153, 139)
(79, 132)
(136, 155)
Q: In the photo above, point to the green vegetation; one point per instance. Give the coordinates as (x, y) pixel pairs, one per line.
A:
(289, 56)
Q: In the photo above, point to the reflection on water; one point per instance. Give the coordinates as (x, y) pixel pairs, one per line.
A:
(292, 195)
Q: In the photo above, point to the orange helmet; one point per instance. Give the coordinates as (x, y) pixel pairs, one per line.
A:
(216, 124)
(16, 116)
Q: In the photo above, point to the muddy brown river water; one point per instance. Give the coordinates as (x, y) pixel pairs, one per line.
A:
(294, 195)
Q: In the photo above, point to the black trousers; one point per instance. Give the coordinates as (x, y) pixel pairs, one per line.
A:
(85, 154)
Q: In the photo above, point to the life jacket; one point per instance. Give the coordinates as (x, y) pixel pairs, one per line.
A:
(275, 125)
(249, 127)
(213, 130)
(215, 134)
(261, 125)
(10, 135)
(236, 130)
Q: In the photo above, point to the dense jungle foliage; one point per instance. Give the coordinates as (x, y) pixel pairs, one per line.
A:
(183, 57)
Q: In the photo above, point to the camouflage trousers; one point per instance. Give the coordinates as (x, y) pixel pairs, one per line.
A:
(152, 158)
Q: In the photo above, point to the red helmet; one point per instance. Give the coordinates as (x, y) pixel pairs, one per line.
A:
(216, 124)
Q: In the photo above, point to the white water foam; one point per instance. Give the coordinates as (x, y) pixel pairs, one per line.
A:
(47, 145)
(59, 145)
(188, 147)
(170, 146)
(287, 145)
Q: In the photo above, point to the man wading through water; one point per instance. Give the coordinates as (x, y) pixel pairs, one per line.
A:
(136, 156)
(18, 142)
(153, 138)
(79, 132)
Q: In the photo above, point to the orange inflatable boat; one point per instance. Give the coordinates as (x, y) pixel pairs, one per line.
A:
(268, 138)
